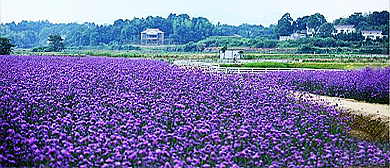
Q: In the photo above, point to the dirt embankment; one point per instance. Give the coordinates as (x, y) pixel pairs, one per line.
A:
(371, 121)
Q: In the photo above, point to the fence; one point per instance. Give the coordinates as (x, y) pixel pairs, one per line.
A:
(227, 61)
(259, 70)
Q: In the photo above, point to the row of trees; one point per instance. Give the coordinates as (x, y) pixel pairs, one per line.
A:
(178, 29)
(320, 42)
(320, 27)
(56, 44)
(286, 25)
(5, 46)
(181, 29)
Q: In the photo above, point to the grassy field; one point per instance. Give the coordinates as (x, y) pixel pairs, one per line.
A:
(317, 61)
(125, 54)
(311, 56)
(307, 65)
(318, 58)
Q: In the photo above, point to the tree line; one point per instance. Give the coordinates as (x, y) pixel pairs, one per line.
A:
(181, 29)
(178, 29)
(320, 27)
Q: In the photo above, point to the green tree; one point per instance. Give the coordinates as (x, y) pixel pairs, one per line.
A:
(378, 18)
(224, 48)
(300, 24)
(355, 19)
(326, 29)
(285, 27)
(5, 46)
(56, 43)
(315, 21)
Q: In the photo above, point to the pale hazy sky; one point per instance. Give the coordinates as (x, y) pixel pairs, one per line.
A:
(233, 12)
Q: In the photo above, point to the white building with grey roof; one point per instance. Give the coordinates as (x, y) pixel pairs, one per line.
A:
(343, 29)
(372, 34)
(152, 36)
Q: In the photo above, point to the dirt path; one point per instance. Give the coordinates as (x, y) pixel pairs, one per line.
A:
(372, 109)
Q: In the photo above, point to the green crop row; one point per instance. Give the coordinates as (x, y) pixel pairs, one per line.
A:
(305, 65)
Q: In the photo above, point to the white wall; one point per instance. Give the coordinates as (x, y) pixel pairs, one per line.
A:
(230, 54)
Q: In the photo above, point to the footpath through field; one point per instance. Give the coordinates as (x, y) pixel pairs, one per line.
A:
(370, 109)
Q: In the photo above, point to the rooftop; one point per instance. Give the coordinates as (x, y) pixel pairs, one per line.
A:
(371, 31)
(343, 26)
(152, 31)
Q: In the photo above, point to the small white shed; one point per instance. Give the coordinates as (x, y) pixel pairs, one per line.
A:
(230, 54)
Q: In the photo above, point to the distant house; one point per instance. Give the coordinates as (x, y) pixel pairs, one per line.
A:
(230, 54)
(310, 32)
(372, 34)
(284, 38)
(343, 29)
(152, 36)
(293, 36)
(236, 35)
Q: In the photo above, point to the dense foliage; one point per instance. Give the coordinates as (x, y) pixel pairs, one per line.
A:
(239, 41)
(318, 25)
(56, 42)
(5, 46)
(178, 29)
(375, 20)
(104, 112)
(303, 45)
(181, 29)
(365, 85)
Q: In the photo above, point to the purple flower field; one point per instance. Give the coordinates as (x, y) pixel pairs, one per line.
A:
(116, 112)
(365, 85)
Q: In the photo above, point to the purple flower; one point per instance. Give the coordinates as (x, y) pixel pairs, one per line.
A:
(145, 112)
(11, 131)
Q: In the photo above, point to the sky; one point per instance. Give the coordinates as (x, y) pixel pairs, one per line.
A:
(232, 12)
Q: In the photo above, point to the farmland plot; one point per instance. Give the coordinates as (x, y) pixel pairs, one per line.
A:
(104, 112)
